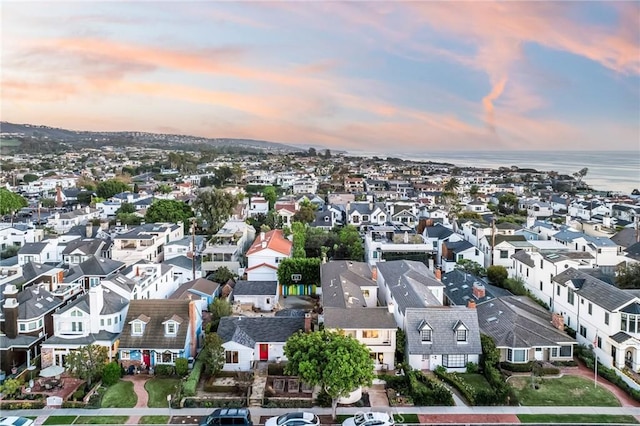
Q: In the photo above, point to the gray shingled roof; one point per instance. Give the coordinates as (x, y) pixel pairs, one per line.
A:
(35, 302)
(621, 337)
(408, 282)
(153, 336)
(200, 285)
(359, 318)
(91, 246)
(524, 257)
(20, 341)
(517, 322)
(182, 262)
(339, 278)
(439, 232)
(442, 320)
(459, 288)
(595, 290)
(255, 288)
(32, 248)
(100, 266)
(248, 331)
(101, 336)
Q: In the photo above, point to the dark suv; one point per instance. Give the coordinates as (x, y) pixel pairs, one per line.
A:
(228, 417)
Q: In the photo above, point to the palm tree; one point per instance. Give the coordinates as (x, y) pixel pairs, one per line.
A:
(452, 185)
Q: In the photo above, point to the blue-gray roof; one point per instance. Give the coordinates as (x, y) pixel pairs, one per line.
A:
(596, 291)
(442, 320)
(409, 282)
(255, 288)
(248, 331)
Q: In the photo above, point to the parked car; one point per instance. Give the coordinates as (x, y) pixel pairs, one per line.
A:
(16, 421)
(228, 417)
(294, 419)
(370, 419)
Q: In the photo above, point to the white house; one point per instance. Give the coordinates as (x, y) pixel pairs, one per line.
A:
(145, 242)
(265, 254)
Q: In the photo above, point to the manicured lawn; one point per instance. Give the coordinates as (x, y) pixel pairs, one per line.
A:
(576, 418)
(101, 420)
(406, 418)
(120, 395)
(153, 420)
(475, 380)
(158, 389)
(565, 391)
(59, 420)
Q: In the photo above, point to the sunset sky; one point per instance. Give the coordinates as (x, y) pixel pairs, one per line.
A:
(377, 76)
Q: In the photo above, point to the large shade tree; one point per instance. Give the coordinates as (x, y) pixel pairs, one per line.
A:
(172, 211)
(87, 362)
(337, 363)
(215, 206)
(11, 202)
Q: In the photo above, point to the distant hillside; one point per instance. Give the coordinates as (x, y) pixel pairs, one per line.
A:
(76, 138)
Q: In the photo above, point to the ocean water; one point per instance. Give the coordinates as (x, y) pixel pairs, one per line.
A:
(608, 170)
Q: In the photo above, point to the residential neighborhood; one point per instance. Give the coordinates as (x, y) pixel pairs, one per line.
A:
(155, 264)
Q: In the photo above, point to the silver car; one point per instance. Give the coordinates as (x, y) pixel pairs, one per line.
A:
(294, 419)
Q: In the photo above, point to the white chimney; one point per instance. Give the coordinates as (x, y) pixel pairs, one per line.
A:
(531, 220)
(96, 302)
(391, 308)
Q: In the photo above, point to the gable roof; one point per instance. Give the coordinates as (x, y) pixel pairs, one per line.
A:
(596, 291)
(153, 337)
(89, 246)
(459, 288)
(359, 318)
(442, 320)
(248, 331)
(440, 232)
(409, 282)
(273, 240)
(341, 283)
(518, 322)
(255, 288)
(200, 285)
(32, 248)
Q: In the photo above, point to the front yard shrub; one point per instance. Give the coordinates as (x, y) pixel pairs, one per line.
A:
(164, 370)
(22, 405)
(549, 371)
(111, 374)
(288, 403)
(458, 382)
(214, 403)
(571, 363)
(182, 367)
(189, 386)
(276, 369)
(472, 368)
(517, 368)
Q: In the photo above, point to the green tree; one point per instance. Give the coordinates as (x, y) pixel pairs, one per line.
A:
(452, 185)
(10, 202)
(337, 363)
(269, 193)
(111, 187)
(299, 236)
(474, 191)
(111, 374)
(470, 267)
(350, 244)
(508, 202)
(215, 206)
(306, 213)
(628, 276)
(163, 188)
(315, 241)
(212, 354)
(221, 275)
(30, 177)
(172, 211)
(126, 208)
(219, 308)
(497, 275)
(10, 387)
(579, 175)
(10, 251)
(222, 175)
(48, 203)
(87, 362)
(182, 367)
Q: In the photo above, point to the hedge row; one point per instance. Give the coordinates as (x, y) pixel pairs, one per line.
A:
(528, 367)
(458, 382)
(215, 403)
(607, 373)
(23, 405)
(189, 386)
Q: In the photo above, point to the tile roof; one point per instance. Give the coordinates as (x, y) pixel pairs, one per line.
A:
(273, 240)
(442, 320)
(518, 322)
(157, 311)
(248, 331)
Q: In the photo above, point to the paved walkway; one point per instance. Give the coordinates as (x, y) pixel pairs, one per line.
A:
(138, 381)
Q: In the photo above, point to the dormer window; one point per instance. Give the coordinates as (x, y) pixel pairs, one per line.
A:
(138, 324)
(137, 327)
(425, 331)
(171, 325)
(171, 328)
(461, 332)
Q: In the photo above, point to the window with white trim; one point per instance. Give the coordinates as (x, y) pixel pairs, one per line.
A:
(454, 361)
(231, 357)
(517, 355)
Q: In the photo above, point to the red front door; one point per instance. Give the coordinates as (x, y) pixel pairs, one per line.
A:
(264, 352)
(146, 358)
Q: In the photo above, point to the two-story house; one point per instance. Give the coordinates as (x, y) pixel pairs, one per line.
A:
(160, 331)
(265, 254)
(145, 242)
(350, 304)
(227, 247)
(26, 321)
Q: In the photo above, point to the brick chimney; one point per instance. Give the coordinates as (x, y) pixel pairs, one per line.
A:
(471, 304)
(438, 274)
(307, 323)
(558, 321)
(374, 273)
(58, 196)
(10, 308)
(478, 290)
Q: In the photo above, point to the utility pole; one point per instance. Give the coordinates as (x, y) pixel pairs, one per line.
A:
(193, 248)
(493, 238)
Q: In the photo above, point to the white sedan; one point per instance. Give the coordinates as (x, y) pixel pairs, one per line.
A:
(294, 419)
(370, 419)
